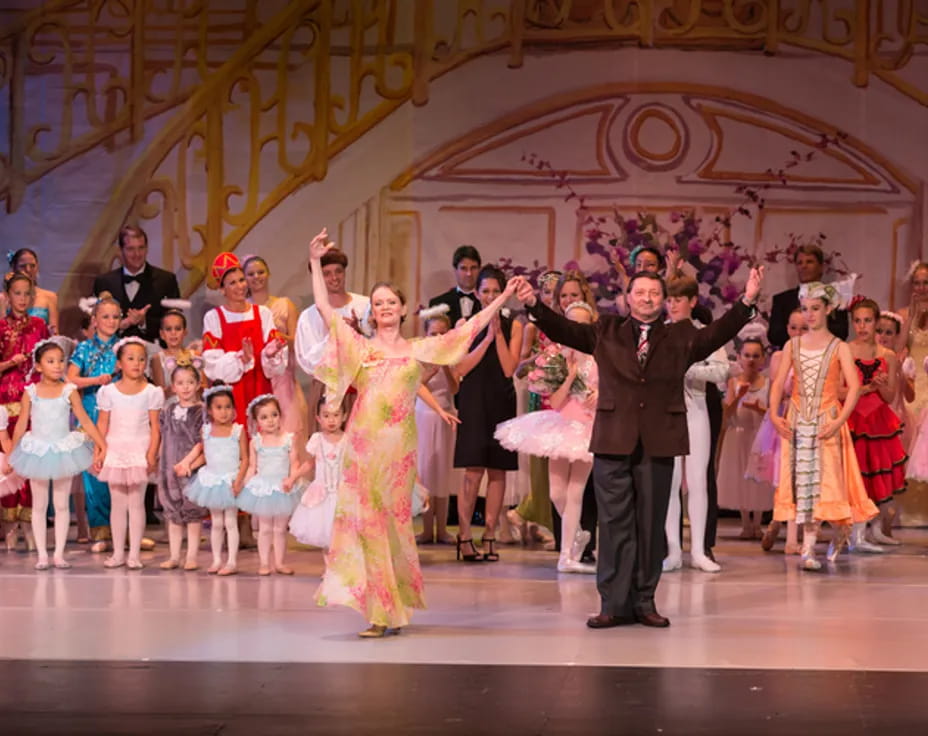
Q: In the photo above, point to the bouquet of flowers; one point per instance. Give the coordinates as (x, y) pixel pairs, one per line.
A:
(550, 371)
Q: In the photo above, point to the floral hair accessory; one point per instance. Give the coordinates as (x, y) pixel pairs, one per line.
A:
(257, 400)
(547, 277)
(40, 343)
(129, 341)
(580, 305)
(222, 264)
(837, 294)
(87, 303)
(855, 301)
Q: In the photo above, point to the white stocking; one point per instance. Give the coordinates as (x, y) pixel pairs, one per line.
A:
(232, 536)
(265, 537)
(567, 481)
(280, 539)
(217, 522)
(119, 516)
(39, 513)
(136, 502)
(61, 497)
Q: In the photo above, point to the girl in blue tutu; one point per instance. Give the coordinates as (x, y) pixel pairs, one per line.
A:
(272, 486)
(50, 453)
(220, 480)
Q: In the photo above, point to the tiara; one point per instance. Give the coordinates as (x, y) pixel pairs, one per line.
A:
(257, 400)
(178, 304)
(217, 389)
(580, 305)
(893, 316)
(40, 343)
(129, 341)
(549, 276)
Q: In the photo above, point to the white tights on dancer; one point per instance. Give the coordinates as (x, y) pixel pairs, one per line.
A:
(224, 520)
(567, 480)
(127, 513)
(272, 532)
(61, 494)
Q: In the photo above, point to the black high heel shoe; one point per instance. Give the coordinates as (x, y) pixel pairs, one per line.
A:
(472, 556)
(491, 555)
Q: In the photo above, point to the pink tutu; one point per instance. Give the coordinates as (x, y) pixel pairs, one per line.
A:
(314, 494)
(131, 475)
(764, 461)
(547, 433)
(11, 483)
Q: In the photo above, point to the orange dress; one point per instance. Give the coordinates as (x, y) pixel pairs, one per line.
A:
(820, 480)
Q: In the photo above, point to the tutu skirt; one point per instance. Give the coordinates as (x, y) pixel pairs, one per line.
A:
(881, 456)
(42, 459)
(211, 491)
(313, 517)
(548, 434)
(9, 483)
(263, 497)
(131, 475)
(764, 461)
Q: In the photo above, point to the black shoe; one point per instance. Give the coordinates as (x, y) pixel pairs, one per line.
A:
(472, 556)
(491, 555)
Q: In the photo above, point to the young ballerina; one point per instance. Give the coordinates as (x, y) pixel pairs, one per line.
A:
(181, 422)
(875, 427)
(562, 434)
(819, 476)
(682, 297)
(49, 453)
(19, 334)
(435, 456)
(10, 482)
(272, 487)
(220, 480)
(764, 461)
(744, 407)
(313, 517)
(128, 418)
(92, 365)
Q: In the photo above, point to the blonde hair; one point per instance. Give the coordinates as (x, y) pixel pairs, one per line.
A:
(585, 291)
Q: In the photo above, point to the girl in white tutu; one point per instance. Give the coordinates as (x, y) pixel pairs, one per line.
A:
(314, 515)
(50, 453)
(128, 418)
(220, 480)
(562, 434)
(10, 481)
(272, 487)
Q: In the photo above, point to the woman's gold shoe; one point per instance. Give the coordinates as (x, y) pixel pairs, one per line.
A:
(376, 631)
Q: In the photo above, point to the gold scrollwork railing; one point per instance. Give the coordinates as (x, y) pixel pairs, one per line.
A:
(313, 78)
(102, 68)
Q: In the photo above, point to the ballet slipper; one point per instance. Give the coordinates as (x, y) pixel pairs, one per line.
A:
(701, 562)
(191, 566)
(226, 571)
(264, 571)
(285, 570)
(134, 565)
(573, 566)
(98, 547)
(214, 568)
(169, 565)
(62, 564)
(881, 538)
(41, 565)
(111, 563)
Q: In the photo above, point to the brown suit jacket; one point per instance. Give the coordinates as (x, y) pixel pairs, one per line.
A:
(638, 402)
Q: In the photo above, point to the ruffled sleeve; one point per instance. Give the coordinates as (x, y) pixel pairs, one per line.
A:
(219, 364)
(105, 398)
(237, 430)
(69, 388)
(449, 348)
(155, 398)
(312, 447)
(344, 353)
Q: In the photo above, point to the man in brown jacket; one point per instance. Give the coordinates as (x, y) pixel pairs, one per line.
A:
(640, 427)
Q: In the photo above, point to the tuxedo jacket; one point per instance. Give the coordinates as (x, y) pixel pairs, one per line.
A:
(783, 305)
(155, 284)
(641, 403)
(452, 298)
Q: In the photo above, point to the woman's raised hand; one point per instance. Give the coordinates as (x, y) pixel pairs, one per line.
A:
(319, 245)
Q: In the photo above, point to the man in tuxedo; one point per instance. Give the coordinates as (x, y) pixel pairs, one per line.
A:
(810, 264)
(138, 286)
(462, 300)
(640, 427)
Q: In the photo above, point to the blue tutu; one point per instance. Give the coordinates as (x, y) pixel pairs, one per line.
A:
(211, 491)
(42, 459)
(262, 497)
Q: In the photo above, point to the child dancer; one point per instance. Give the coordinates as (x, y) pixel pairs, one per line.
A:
(312, 520)
(819, 476)
(181, 422)
(220, 480)
(10, 482)
(129, 410)
(744, 408)
(49, 452)
(875, 428)
(435, 457)
(19, 334)
(173, 332)
(682, 297)
(562, 434)
(93, 364)
(271, 491)
(764, 461)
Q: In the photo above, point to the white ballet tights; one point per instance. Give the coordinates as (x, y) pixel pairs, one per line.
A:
(272, 531)
(127, 504)
(61, 493)
(176, 540)
(695, 466)
(567, 481)
(224, 520)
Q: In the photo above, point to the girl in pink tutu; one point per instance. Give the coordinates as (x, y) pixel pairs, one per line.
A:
(312, 519)
(764, 461)
(562, 434)
(129, 420)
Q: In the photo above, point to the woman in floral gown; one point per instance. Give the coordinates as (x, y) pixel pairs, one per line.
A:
(372, 564)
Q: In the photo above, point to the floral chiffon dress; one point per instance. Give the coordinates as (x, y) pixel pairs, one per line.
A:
(372, 564)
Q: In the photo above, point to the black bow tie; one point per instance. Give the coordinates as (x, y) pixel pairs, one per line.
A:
(127, 279)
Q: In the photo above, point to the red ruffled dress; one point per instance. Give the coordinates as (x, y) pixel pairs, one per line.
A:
(877, 434)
